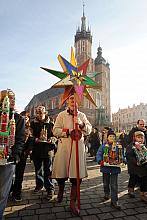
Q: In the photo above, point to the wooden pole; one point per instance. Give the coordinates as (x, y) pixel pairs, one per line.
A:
(77, 154)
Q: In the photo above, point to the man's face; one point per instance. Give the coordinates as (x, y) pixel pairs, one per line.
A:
(26, 118)
(111, 138)
(70, 102)
(141, 124)
(40, 115)
(94, 130)
(139, 139)
(12, 102)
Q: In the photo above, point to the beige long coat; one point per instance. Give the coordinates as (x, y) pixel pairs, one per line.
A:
(65, 159)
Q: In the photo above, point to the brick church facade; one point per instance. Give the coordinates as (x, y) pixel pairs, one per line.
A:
(98, 70)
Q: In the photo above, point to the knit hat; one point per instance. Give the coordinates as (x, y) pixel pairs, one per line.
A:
(137, 133)
(111, 132)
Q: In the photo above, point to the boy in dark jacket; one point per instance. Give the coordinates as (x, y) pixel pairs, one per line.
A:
(43, 151)
(136, 155)
(133, 179)
(110, 156)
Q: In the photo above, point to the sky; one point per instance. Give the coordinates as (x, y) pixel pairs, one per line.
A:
(34, 32)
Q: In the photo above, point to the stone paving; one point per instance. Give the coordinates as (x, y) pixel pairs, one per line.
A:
(37, 207)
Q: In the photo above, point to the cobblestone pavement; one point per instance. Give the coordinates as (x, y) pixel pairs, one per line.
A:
(37, 207)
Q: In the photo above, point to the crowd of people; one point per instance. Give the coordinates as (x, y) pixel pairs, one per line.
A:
(52, 148)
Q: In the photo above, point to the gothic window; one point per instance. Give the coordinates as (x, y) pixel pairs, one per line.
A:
(106, 74)
(83, 46)
(57, 102)
(52, 104)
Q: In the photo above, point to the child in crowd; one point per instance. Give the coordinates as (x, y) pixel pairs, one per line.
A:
(136, 155)
(110, 156)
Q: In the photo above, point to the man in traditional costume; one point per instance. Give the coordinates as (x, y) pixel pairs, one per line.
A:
(17, 144)
(64, 165)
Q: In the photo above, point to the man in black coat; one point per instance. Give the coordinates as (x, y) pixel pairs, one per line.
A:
(7, 170)
(139, 127)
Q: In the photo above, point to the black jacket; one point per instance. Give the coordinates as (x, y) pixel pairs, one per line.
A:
(133, 168)
(94, 139)
(41, 149)
(17, 149)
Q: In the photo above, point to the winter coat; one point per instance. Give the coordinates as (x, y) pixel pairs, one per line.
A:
(94, 140)
(65, 158)
(99, 158)
(17, 149)
(133, 168)
(41, 149)
(123, 138)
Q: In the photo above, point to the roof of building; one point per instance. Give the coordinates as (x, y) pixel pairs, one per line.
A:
(42, 96)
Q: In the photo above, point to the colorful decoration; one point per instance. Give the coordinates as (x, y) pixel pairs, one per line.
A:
(73, 77)
(113, 155)
(141, 153)
(7, 130)
(43, 135)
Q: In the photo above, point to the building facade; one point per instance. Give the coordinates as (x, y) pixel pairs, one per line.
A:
(98, 70)
(127, 118)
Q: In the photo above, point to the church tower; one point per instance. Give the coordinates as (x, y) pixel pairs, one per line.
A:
(83, 51)
(103, 76)
(83, 44)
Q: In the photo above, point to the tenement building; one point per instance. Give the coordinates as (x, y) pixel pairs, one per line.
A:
(98, 69)
(128, 117)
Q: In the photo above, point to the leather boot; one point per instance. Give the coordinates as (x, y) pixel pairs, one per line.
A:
(73, 198)
(131, 193)
(60, 192)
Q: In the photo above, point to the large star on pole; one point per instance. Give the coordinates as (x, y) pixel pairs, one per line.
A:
(73, 79)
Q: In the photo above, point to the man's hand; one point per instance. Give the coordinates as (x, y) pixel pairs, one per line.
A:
(36, 140)
(81, 126)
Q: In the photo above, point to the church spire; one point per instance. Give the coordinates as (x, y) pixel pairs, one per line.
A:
(83, 19)
(82, 33)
